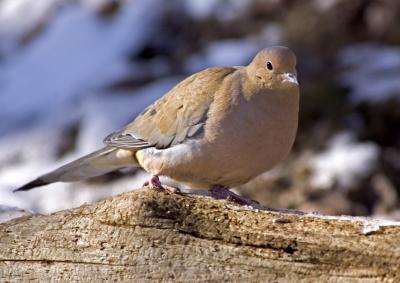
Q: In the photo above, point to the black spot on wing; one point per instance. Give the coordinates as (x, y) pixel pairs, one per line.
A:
(125, 140)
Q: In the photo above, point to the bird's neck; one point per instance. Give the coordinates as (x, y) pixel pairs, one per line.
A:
(248, 83)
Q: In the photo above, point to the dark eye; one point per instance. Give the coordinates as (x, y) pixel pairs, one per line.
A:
(269, 65)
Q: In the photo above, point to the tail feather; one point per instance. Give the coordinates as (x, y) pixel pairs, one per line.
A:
(97, 163)
(31, 185)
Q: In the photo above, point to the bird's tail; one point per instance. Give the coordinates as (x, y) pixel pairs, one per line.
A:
(97, 163)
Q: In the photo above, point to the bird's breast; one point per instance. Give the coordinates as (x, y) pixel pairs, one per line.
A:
(253, 138)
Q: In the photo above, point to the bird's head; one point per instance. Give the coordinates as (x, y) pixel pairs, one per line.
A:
(274, 68)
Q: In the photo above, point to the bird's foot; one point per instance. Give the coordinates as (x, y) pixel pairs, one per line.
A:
(156, 184)
(221, 192)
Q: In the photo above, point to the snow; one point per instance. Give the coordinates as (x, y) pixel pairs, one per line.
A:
(40, 101)
(221, 10)
(67, 195)
(222, 53)
(105, 113)
(28, 158)
(344, 162)
(33, 78)
(372, 72)
(234, 52)
(368, 225)
(20, 17)
(370, 228)
(10, 212)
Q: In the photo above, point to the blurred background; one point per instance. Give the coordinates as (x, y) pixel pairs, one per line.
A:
(73, 71)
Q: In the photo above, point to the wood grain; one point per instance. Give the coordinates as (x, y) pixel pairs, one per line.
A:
(150, 236)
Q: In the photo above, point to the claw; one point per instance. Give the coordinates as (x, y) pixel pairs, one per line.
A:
(221, 192)
(156, 184)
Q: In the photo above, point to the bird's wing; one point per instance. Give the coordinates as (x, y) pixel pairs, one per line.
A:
(179, 114)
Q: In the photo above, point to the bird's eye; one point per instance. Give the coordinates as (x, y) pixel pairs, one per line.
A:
(269, 65)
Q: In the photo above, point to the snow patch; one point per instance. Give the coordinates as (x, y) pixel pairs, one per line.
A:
(222, 53)
(10, 212)
(372, 72)
(221, 10)
(344, 162)
(234, 52)
(20, 17)
(26, 158)
(368, 225)
(92, 52)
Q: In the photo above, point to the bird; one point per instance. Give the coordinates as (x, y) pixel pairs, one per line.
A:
(216, 129)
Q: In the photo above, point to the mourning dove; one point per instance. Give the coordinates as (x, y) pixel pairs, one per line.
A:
(216, 129)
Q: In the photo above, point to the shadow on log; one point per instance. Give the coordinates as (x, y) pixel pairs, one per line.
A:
(146, 236)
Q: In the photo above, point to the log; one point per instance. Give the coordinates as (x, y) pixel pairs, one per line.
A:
(153, 236)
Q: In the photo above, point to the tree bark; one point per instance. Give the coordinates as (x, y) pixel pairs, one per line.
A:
(147, 236)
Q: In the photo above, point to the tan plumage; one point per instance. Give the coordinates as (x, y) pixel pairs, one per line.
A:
(220, 126)
(177, 115)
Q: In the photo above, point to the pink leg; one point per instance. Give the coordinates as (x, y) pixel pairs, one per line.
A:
(221, 192)
(156, 184)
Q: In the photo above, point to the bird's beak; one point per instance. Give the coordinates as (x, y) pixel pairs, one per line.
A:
(290, 77)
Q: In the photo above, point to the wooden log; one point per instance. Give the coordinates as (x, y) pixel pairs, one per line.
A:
(152, 236)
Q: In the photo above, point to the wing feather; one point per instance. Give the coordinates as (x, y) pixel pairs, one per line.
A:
(178, 115)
